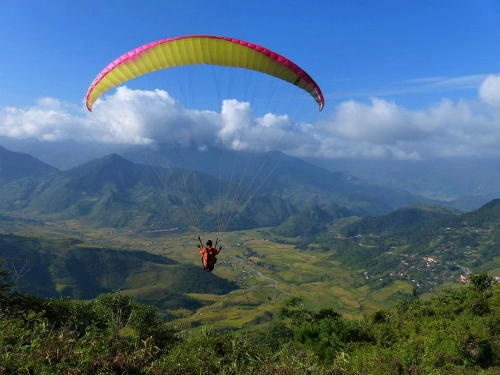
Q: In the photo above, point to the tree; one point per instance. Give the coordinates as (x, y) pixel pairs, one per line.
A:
(481, 282)
(293, 309)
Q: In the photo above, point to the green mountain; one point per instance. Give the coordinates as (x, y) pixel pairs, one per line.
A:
(428, 245)
(400, 220)
(21, 176)
(100, 190)
(262, 211)
(111, 170)
(311, 220)
(486, 216)
(301, 182)
(17, 165)
(289, 178)
(465, 184)
(116, 192)
(254, 191)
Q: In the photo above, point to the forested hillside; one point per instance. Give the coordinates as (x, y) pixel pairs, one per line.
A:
(67, 267)
(428, 245)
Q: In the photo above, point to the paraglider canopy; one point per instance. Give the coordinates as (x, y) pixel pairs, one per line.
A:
(256, 87)
(200, 49)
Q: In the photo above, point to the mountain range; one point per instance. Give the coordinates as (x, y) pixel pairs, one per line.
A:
(465, 184)
(252, 191)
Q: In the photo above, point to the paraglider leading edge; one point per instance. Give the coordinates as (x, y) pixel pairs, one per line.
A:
(269, 62)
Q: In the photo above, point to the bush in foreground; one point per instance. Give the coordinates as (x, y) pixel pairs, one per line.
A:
(457, 333)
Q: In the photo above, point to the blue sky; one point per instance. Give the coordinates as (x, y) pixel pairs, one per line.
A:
(402, 79)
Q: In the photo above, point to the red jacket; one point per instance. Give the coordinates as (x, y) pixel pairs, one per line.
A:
(209, 254)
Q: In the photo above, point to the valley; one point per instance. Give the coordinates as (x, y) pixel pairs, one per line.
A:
(351, 275)
(264, 271)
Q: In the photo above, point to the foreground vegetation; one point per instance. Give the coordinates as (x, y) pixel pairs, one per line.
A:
(457, 333)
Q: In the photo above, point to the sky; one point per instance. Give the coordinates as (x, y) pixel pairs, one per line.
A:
(407, 80)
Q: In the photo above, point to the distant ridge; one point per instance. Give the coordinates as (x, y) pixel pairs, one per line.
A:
(16, 165)
(116, 192)
(311, 220)
(485, 215)
(403, 219)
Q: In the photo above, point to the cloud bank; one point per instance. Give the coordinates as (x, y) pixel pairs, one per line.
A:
(353, 129)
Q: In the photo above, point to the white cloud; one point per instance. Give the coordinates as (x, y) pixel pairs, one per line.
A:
(375, 129)
(236, 119)
(489, 91)
(48, 120)
(384, 129)
(380, 122)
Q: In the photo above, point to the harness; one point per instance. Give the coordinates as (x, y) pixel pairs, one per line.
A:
(208, 257)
